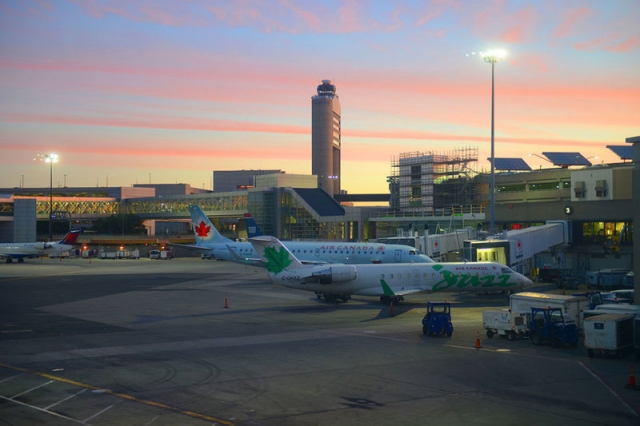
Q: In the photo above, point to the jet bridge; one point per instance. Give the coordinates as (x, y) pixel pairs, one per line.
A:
(517, 248)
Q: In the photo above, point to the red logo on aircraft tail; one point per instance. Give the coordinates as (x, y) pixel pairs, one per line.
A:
(70, 238)
(202, 230)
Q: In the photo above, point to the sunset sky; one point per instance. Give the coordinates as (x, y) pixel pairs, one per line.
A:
(166, 91)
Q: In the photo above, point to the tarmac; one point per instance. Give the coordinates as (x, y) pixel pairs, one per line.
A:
(198, 342)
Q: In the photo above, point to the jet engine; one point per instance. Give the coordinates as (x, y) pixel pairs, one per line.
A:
(336, 274)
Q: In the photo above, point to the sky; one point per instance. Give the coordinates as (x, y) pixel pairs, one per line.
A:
(160, 91)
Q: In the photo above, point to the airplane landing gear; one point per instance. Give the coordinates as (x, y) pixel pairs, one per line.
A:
(332, 297)
(391, 299)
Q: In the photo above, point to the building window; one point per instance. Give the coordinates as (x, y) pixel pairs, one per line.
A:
(579, 189)
(416, 174)
(601, 188)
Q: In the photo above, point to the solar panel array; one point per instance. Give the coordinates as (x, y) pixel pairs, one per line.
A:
(622, 151)
(566, 159)
(510, 164)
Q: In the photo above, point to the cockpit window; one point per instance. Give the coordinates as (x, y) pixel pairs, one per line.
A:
(507, 271)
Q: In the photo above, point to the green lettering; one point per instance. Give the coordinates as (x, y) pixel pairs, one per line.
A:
(504, 280)
(488, 281)
(449, 279)
(465, 280)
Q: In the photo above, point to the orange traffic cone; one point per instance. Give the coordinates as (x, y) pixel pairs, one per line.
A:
(226, 301)
(391, 308)
(632, 379)
(478, 346)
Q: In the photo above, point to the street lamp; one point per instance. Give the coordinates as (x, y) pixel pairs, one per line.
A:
(492, 57)
(51, 158)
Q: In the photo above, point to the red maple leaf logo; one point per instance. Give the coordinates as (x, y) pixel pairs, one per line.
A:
(202, 230)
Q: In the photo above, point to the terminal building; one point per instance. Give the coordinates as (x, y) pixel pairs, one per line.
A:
(429, 193)
(594, 201)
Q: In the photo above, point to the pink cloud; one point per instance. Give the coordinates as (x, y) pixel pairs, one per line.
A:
(166, 13)
(611, 43)
(531, 61)
(570, 21)
(628, 45)
(525, 22)
(173, 123)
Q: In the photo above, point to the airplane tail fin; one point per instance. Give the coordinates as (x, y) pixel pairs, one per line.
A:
(71, 237)
(252, 227)
(203, 229)
(275, 256)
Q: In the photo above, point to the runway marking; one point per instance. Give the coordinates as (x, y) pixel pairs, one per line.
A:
(32, 389)
(11, 378)
(53, 413)
(580, 363)
(107, 391)
(66, 399)
(607, 387)
(98, 413)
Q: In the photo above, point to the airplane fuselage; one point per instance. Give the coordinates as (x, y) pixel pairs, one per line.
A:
(27, 250)
(369, 280)
(328, 252)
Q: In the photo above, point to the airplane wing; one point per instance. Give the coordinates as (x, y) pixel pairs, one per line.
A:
(247, 260)
(314, 262)
(191, 247)
(258, 262)
(388, 291)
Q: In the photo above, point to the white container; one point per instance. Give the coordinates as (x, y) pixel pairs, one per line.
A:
(504, 322)
(571, 306)
(608, 334)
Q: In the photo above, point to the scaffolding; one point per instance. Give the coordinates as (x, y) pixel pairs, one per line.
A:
(421, 182)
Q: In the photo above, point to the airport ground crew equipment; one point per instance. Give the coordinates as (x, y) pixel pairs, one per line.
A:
(549, 326)
(608, 334)
(506, 323)
(437, 320)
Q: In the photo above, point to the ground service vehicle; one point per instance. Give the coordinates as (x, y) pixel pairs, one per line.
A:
(548, 326)
(572, 306)
(608, 334)
(504, 322)
(437, 319)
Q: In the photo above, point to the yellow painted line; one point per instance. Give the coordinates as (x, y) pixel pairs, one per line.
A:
(121, 395)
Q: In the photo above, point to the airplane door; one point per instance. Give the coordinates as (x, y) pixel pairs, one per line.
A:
(317, 252)
(398, 257)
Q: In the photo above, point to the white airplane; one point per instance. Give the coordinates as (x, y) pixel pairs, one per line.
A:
(20, 251)
(212, 243)
(388, 281)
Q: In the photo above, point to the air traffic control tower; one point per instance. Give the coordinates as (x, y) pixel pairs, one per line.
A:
(326, 138)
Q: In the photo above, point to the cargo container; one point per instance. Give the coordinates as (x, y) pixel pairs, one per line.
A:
(606, 278)
(608, 334)
(619, 308)
(571, 306)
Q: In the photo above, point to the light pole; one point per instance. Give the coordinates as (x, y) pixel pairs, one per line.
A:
(492, 57)
(51, 158)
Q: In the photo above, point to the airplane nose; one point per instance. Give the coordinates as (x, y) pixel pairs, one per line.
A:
(526, 282)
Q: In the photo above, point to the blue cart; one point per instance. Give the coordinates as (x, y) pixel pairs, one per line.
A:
(437, 319)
